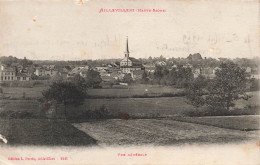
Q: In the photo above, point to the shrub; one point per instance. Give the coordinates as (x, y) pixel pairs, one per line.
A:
(123, 115)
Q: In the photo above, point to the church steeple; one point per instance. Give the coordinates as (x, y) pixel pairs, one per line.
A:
(127, 50)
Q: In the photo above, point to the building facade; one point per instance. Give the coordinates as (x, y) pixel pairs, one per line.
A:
(11, 74)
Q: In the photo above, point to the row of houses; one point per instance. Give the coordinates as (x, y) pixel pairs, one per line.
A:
(110, 72)
(13, 74)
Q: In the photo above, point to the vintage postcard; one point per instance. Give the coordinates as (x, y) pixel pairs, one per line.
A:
(129, 82)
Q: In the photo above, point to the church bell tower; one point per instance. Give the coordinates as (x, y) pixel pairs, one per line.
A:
(127, 50)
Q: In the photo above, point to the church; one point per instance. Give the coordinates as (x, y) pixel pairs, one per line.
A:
(130, 64)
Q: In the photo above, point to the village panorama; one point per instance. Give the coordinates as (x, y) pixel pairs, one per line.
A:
(129, 101)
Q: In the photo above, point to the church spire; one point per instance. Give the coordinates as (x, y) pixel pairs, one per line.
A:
(127, 50)
(127, 44)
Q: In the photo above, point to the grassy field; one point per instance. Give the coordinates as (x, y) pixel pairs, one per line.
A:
(230, 122)
(17, 92)
(136, 107)
(43, 132)
(159, 132)
(126, 91)
(139, 107)
(130, 91)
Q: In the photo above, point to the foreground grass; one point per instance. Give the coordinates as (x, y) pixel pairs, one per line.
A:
(43, 132)
(243, 123)
(159, 132)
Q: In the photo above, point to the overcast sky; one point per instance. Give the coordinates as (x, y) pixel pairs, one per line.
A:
(68, 30)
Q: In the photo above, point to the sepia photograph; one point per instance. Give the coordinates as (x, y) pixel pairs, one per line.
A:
(129, 82)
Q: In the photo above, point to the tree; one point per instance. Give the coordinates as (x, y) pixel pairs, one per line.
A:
(25, 62)
(195, 91)
(79, 82)
(93, 79)
(183, 76)
(228, 85)
(65, 93)
(56, 78)
(159, 73)
(144, 79)
(128, 78)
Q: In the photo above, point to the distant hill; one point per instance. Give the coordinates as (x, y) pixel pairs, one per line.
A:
(194, 57)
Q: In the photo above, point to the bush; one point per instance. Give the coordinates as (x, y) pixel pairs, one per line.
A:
(123, 115)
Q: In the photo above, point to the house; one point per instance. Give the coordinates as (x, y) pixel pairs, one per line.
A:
(41, 71)
(150, 68)
(174, 66)
(23, 77)
(215, 69)
(208, 72)
(248, 70)
(255, 76)
(129, 64)
(117, 75)
(196, 72)
(7, 74)
(161, 63)
(11, 74)
(101, 68)
(81, 70)
(255, 72)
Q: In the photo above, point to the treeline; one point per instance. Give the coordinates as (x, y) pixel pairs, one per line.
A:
(178, 77)
(198, 62)
(8, 61)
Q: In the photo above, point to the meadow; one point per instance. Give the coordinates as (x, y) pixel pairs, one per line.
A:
(123, 91)
(159, 132)
(242, 123)
(135, 107)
